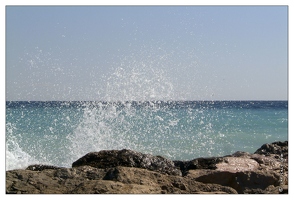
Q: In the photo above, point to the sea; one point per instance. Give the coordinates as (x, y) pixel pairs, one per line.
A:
(59, 132)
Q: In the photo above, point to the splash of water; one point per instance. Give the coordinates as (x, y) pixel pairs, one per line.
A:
(16, 157)
(138, 113)
(138, 81)
(130, 114)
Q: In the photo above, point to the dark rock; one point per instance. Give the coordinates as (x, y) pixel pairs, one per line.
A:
(274, 148)
(42, 167)
(204, 163)
(199, 163)
(227, 163)
(128, 158)
(241, 154)
(283, 189)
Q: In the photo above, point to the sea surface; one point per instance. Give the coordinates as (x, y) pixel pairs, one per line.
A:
(60, 132)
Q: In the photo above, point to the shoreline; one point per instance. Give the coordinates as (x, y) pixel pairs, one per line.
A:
(130, 172)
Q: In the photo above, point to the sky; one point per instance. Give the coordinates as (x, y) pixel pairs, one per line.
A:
(146, 53)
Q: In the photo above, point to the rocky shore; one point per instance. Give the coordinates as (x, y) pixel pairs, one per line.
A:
(129, 172)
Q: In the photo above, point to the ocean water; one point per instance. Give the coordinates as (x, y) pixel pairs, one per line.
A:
(132, 117)
(60, 132)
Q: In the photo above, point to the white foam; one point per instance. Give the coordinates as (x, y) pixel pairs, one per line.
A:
(16, 158)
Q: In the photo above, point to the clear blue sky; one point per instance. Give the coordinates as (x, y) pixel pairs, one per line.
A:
(195, 52)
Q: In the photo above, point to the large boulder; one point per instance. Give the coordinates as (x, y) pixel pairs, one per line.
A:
(242, 181)
(265, 171)
(128, 158)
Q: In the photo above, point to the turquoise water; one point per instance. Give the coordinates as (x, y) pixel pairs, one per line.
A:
(58, 133)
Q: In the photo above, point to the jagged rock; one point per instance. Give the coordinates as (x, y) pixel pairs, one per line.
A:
(274, 148)
(166, 183)
(227, 163)
(126, 171)
(266, 162)
(242, 182)
(199, 163)
(241, 154)
(265, 171)
(118, 180)
(128, 158)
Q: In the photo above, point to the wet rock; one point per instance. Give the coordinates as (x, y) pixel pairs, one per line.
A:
(274, 148)
(42, 167)
(228, 163)
(128, 158)
(241, 154)
(199, 163)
